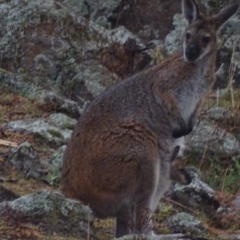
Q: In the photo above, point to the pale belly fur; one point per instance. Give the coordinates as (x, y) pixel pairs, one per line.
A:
(162, 185)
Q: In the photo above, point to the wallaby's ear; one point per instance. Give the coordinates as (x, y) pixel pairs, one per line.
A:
(224, 15)
(190, 10)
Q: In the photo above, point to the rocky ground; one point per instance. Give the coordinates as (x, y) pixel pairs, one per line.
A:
(56, 56)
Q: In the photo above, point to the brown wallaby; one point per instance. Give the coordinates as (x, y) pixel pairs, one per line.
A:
(118, 159)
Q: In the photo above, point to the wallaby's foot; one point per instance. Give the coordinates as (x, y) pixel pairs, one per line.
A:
(121, 228)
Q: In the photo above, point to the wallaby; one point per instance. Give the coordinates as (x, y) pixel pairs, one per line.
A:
(118, 159)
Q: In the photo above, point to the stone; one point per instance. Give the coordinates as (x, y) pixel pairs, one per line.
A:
(163, 237)
(185, 222)
(54, 166)
(197, 194)
(25, 159)
(62, 120)
(218, 113)
(51, 101)
(172, 40)
(52, 212)
(42, 129)
(216, 140)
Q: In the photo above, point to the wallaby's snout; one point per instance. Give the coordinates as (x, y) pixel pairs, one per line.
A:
(193, 51)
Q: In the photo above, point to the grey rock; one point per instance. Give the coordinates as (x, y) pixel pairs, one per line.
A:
(231, 44)
(25, 158)
(230, 236)
(52, 211)
(102, 11)
(218, 113)
(172, 40)
(214, 138)
(56, 160)
(197, 194)
(46, 40)
(157, 237)
(42, 129)
(49, 100)
(54, 166)
(95, 78)
(78, 6)
(185, 222)
(62, 120)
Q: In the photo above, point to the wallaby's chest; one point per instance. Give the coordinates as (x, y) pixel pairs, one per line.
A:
(190, 94)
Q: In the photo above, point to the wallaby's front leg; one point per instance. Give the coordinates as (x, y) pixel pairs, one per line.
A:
(176, 121)
(181, 129)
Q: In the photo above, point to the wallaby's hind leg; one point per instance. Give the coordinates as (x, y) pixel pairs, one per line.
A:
(122, 227)
(122, 222)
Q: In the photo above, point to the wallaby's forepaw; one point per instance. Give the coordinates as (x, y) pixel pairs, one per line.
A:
(184, 129)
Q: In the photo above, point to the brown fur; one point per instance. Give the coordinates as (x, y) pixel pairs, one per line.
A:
(119, 157)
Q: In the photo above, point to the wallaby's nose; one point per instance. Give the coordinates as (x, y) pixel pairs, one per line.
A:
(193, 51)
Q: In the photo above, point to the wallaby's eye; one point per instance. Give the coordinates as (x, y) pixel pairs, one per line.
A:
(182, 170)
(206, 39)
(188, 35)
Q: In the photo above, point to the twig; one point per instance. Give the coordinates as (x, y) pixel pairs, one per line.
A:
(180, 205)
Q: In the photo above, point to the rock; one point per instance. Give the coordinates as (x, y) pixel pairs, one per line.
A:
(184, 222)
(197, 194)
(56, 160)
(96, 79)
(51, 101)
(54, 48)
(79, 7)
(172, 40)
(41, 128)
(231, 44)
(163, 237)
(7, 195)
(145, 18)
(61, 120)
(129, 56)
(24, 158)
(99, 12)
(218, 113)
(216, 139)
(52, 212)
(102, 12)
(55, 167)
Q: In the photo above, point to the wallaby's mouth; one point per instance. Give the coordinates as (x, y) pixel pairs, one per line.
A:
(192, 52)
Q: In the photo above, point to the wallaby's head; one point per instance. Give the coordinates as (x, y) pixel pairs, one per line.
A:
(200, 38)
